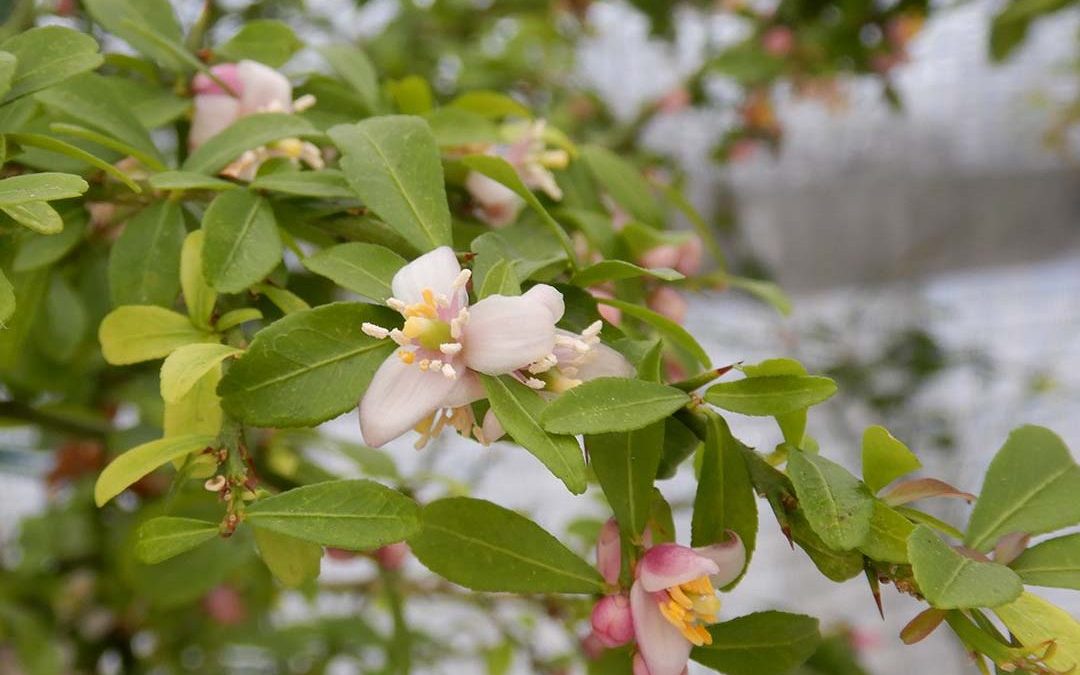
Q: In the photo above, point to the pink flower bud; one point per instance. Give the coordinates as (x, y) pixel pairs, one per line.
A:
(668, 302)
(392, 556)
(224, 605)
(674, 101)
(592, 646)
(609, 552)
(228, 73)
(612, 315)
(691, 253)
(778, 41)
(612, 622)
(665, 255)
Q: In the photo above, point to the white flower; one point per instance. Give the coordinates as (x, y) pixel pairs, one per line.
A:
(431, 378)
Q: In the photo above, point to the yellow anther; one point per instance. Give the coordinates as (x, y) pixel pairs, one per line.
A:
(679, 597)
(701, 586)
(673, 613)
(429, 297)
(292, 147)
(407, 357)
(415, 326)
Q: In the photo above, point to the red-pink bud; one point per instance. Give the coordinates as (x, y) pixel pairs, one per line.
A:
(668, 302)
(609, 552)
(225, 72)
(778, 41)
(224, 605)
(612, 622)
(691, 253)
(612, 315)
(392, 556)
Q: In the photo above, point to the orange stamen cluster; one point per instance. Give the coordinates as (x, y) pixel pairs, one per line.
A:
(690, 607)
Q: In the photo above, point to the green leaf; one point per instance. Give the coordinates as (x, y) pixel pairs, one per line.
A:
(162, 538)
(611, 404)
(763, 643)
(1031, 487)
(56, 145)
(500, 279)
(198, 411)
(392, 163)
(187, 365)
(46, 56)
(245, 134)
(770, 396)
(623, 182)
(292, 561)
(491, 104)
(625, 463)
(614, 270)
(285, 300)
(766, 291)
(355, 515)
(950, 580)
(265, 40)
(1036, 623)
(325, 184)
(308, 367)
(8, 63)
(527, 246)
(725, 495)
(137, 462)
(1054, 562)
(144, 263)
(366, 269)
(884, 458)
(89, 99)
(455, 128)
(485, 547)
(199, 297)
(7, 298)
(242, 245)
(412, 95)
(63, 324)
(1010, 27)
(792, 424)
(43, 250)
(520, 409)
(124, 17)
(837, 505)
(888, 536)
(356, 69)
(188, 180)
(668, 329)
(40, 187)
(36, 216)
(135, 333)
(237, 317)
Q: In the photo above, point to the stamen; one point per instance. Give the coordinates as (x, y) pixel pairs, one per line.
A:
(450, 348)
(397, 336)
(594, 329)
(429, 297)
(425, 364)
(679, 597)
(534, 383)
(407, 357)
(448, 371)
(396, 305)
(303, 103)
(377, 332)
(436, 364)
(462, 279)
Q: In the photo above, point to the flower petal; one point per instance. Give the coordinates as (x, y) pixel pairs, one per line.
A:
(213, 114)
(225, 72)
(603, 361)
(492, 429)
(507, 333)
(611, 621)
(435, 270)
(399, 396)
(667, 565)
(468, 389)
(264, 89)
(663, 648)
(609, 552)
(550, 297)
(499, 205)
(729, 556)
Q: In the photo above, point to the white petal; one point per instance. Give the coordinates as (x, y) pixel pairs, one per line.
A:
(729, 556)
(492, 429)
(435, 269)
(507, 333)
(663, 647)
(499, 205)
(468, 389)
(549, 297)
(264, 89)
(603, 361)
(399, 396)
(213, 114)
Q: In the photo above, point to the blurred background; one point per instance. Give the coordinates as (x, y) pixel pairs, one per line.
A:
(923, 215)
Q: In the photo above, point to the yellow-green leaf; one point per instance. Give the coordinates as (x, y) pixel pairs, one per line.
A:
(135, 333)
(129, 467)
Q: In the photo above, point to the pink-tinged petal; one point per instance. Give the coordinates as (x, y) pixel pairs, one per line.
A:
(662, 647)
(668, 565)
(729, 556)
(603, 361)
(392, 556)
(498, 205)
(213, 114)
(399, 397)
(668, 302)
(264, 89)
(469, 389)
(225, 72)
(612, 621)
(435, 270)
(612, 315)
(549, 297)
(641, 669)
(609, 552)
(492, 429)
(507, 333)
(691, 255)
(665, 255)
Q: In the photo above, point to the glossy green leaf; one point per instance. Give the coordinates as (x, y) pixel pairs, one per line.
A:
(1036, 623)
(888, 536)
(485, 547)
(837, 505)
(1054, 562)
(366, 269)
(40, 187)
(792, 424)
(63, 323)
(625, 463)
(500, 279)
(491, 104)
(198, 411)
(36, 216)
(1031, 486)
(188, 180)
(56, 145)
(144, 263)
(242, 244)
(614, 270)
(285, 300)
(46, 56)
(265, 40)
(356, 69)
(392, 163)
(199, 297)
(766, 291)
(162, 538)
(237, 317)
(412, 95)
(763, 643)
(324, 184)
(950, 580)
(884, 458)
(8, 63)
(355, 515)
(245, 134)
(308, 367)
(124, 17)
(520, 410)
(624, 183)
(135, 333)
(609, 404)
(527, 246)
(671, 331)
(43, 250)
(188, 364)
(7, 298)
(292, 561)
(137, 462)
(770, 396)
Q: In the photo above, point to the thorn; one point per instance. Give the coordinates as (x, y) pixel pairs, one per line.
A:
(875, 589)
(786, 529)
